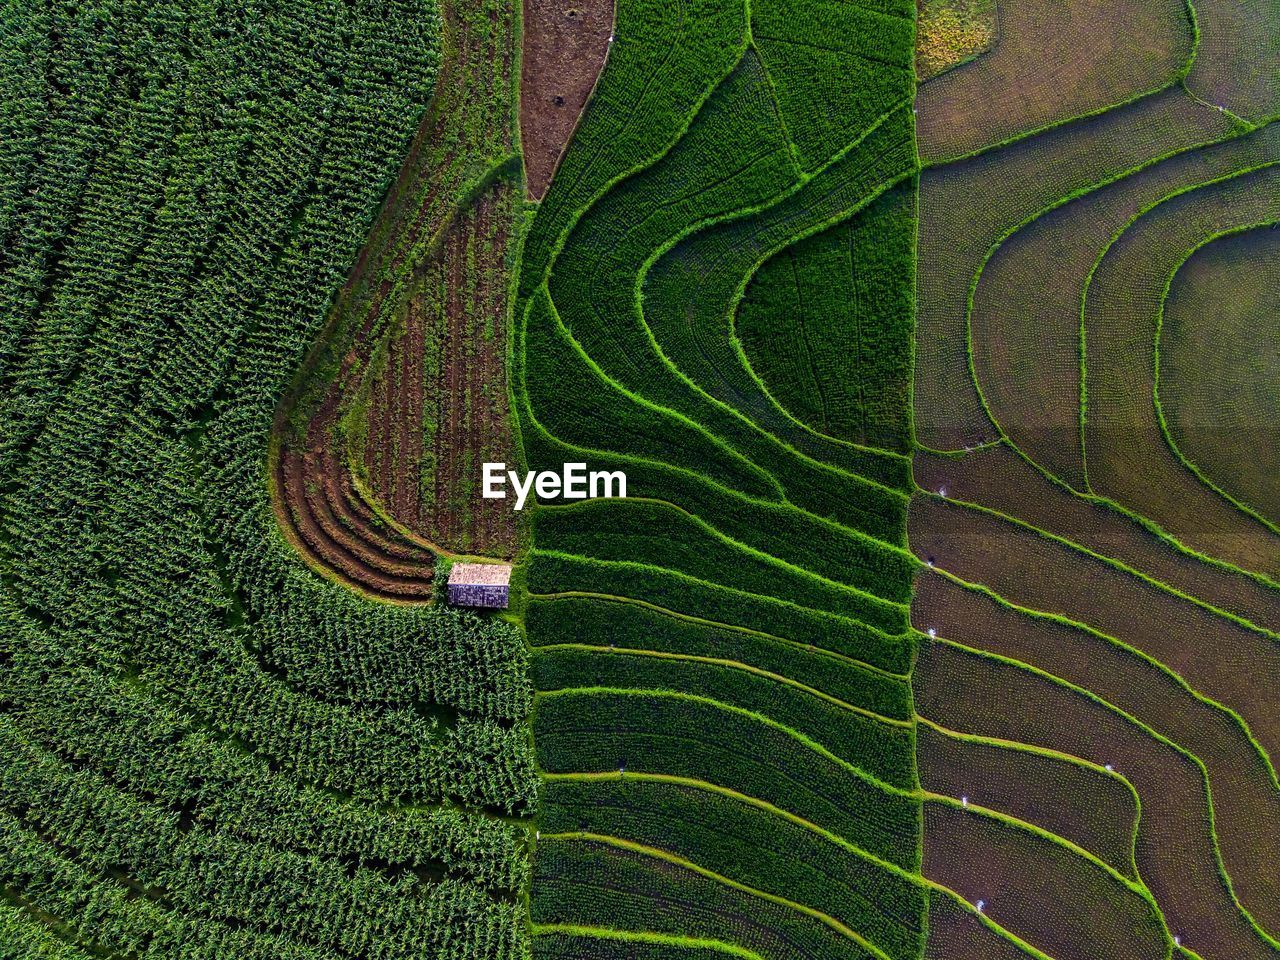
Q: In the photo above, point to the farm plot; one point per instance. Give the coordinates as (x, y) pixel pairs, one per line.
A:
(967, 208)
(582, 881)
(404, 395)
(953, 32)
(1019, 876)
(998, 479)
(565, 47)
(1241, 784)
(1232, 65)
(1175, 853)
(721, 662)
(1077, 802)
(438, 410)
(1128, 456)
(1219, 382)
(1143, 641)
(206, 750)
(956, 934)
(1054, 62)
(1030, 373)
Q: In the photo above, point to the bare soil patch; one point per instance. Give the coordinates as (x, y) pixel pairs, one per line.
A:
(566, 43)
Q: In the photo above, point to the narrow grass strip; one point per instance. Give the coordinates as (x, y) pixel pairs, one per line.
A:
(644, 936)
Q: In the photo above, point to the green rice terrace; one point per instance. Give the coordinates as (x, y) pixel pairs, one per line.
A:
(920, 363)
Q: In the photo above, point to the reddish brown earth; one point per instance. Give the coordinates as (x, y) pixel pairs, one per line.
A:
(387, 351)
(439, 410)
(566, 43)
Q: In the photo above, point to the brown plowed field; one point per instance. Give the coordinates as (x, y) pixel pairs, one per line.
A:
(1246, 801)
(1175, 854)
(439, 410)
(956, 934)
(998, 478)
(1080, 804)
(566, 43)
(1239, 668)
(1020, 876)
(378, 451)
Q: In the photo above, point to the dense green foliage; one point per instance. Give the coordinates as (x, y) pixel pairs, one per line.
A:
(602, 623)
(827, 325)
(205, 749)
(590, 883)
(750, 845)
(740, 624)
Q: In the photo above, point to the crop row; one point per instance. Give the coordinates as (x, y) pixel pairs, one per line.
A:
(589, 882)
(731, 838)
(824, 325)
(597, 730)
(719, 662)
(1210, 385)
(841, 727)
(679, 593)
(599, 623)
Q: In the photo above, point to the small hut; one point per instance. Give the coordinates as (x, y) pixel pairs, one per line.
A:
(480, 585)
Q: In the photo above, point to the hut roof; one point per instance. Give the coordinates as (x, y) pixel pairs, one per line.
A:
(487, 574)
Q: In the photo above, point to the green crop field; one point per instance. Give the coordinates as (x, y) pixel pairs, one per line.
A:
(936, 617)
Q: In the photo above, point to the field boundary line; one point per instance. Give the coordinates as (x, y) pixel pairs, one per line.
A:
(719, 625)
(1119, 565)
(717, 661)
(1183, 71)
(803, 739)
(644, 936)
(1176, 677)
(1155, 387)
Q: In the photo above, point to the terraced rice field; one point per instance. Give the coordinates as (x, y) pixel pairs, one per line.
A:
(937, 341)
(1097, 595)
(1048, 734)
